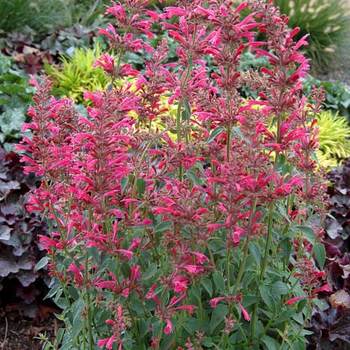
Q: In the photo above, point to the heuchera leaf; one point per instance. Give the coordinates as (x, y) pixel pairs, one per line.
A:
(18, 230)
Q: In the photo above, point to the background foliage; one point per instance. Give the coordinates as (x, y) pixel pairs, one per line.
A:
(327, 23)
(15, 96)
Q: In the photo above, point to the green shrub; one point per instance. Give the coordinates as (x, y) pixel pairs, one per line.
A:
(78, 74)
(15, 96)
(46, 15)
(325, 20)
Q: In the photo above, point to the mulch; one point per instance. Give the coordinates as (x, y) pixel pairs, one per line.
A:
(18, 332)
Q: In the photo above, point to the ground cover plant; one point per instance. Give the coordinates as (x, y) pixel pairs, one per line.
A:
(331, 324)
(201, 230)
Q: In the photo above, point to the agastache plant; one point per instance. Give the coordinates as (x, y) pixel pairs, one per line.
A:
(186, 230)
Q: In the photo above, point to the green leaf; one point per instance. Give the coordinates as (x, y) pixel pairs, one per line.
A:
(270, 343)
(136, 305)
(192, 325)
(62, 303)
(196, 292)
(267, 296)
(300, 306)
(215, 133)
(321, 304)
(279, 288)
(194, 178)
(320, 254)
(285, 247)
(308, 233)
(208, 342)
(77, 309)
(281, 208)
(163, 227)
(299, 344)
(124, 183)
(217, 317)
(150, 272)
(143, 326)
(284, 316)
(186, 113)
(141, 186)
(41, 263)
(219, 282)
(73, 292)
(208, 286)
(255, 252)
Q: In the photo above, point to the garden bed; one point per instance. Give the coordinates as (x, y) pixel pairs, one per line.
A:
(180, 199)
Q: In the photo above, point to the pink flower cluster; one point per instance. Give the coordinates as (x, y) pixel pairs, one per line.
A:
(150, 197)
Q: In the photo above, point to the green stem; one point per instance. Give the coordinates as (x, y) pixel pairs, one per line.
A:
(263, 267)
(178, 121)
(243, 262)
(88, 306)
(211, 256)
(268, 243)
(89, 325)
(228, 144)
(245, 247)
(178, 132)
(228, 258)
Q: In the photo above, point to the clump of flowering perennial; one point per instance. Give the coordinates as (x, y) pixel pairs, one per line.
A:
(165, 238)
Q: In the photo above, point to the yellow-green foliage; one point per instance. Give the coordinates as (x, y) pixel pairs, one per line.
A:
(78, 74)
(334, 139)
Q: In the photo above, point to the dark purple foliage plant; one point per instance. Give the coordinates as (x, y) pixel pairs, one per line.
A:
(19, 249)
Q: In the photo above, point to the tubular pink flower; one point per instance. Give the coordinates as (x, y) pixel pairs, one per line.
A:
(107, 342)
(215, 301)
(244, 312)
(293, 300)
(106, 62)
(168, 329)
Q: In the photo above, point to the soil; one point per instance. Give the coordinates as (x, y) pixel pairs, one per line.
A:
(20, 333)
